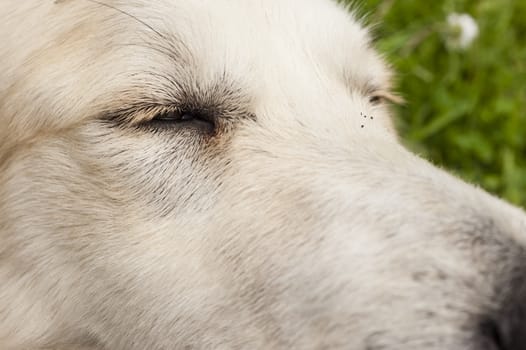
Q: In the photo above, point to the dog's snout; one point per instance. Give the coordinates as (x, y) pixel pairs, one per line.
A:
(513, 324)
(517, 333)
(507, 334)
(507, 331)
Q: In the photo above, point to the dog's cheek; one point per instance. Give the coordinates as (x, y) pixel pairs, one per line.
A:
(157, 174)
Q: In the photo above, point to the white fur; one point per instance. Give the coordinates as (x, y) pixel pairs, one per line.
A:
(302, 224)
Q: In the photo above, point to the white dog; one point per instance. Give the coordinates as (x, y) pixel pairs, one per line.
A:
(223, 174)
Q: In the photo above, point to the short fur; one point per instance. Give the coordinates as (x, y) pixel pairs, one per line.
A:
(299, 222)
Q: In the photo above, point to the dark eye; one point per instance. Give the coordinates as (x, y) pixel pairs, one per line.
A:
(375, 99)
(183, 119)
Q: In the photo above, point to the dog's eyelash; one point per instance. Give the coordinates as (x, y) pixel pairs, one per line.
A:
(173, 116)
(179, 118)
(166, 117)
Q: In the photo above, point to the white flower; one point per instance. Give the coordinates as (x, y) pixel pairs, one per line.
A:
(463, 30)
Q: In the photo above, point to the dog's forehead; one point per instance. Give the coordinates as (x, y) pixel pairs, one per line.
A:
(255, 44)
(256, 26)
(203, 38)
(110, 46)
(233, 35)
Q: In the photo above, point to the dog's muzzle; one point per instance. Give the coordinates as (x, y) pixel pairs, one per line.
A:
(506, 330)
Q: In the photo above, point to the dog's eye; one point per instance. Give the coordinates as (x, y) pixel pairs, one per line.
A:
(183, 119)
(376, 99)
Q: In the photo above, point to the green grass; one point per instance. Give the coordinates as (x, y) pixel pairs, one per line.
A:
(466, 110)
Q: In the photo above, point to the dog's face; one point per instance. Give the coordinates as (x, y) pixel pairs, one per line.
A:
(221, 174)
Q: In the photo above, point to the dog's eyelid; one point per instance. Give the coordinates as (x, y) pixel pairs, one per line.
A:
(136, 114)
(394, 98)
(174, 118)
(180, 115)
(377, 95)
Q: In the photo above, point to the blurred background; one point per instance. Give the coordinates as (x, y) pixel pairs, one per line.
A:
(461, 67)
